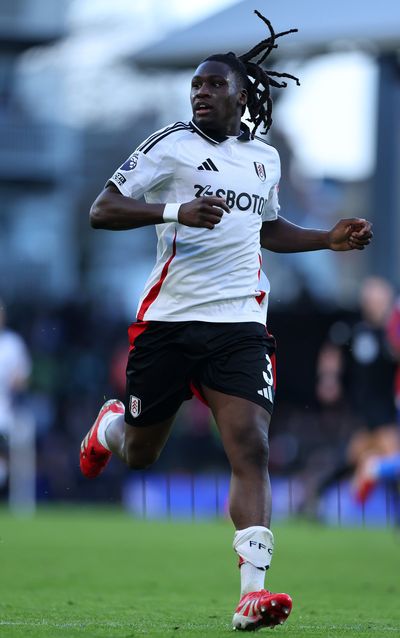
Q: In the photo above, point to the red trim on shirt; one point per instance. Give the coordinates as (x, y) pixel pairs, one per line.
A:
(260, 297)
(155, 290)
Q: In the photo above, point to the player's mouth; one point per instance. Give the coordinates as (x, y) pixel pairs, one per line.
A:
(202, 108)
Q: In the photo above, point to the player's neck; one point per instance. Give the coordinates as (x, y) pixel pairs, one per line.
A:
(229, 129)
(218, 132)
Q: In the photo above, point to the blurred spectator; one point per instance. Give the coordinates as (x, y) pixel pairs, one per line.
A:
(333, 423)
(384, 467)
(393, 336)
(372, 374)
(15, 368)
(329, 389)
(366, 381)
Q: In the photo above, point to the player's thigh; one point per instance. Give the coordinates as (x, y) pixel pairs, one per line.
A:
(241, 364)
(143, 445)
(243, 426)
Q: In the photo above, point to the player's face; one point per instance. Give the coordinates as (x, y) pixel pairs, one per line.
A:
(217, 98)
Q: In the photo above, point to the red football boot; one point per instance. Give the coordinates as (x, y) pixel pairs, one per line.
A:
(93, 455)
(261, 609)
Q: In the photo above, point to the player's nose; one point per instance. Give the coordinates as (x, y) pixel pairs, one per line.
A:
(203, 90)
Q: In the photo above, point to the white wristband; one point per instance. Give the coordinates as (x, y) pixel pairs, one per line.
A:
(170, 212)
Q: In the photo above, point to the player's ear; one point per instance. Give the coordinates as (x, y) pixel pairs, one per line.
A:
(243, 96)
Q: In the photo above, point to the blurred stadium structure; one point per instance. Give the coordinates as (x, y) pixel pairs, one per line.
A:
(71, 291)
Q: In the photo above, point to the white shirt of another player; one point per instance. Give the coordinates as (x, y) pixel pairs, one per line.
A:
(15, 368)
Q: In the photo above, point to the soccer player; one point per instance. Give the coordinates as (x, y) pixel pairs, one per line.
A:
(211, 189)
(15, 370)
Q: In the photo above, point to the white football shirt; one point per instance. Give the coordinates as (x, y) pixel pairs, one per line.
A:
(15, 366)
(201, 274)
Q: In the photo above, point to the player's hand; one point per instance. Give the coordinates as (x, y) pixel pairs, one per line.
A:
(203, 212)
(350, 234)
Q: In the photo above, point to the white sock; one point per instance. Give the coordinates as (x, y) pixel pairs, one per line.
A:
(103, 425)
(255, 546)
(251, 578)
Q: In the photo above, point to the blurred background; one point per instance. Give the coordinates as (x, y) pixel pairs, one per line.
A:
(82, 83)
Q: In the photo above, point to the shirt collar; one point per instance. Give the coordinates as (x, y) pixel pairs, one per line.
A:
(217, 139)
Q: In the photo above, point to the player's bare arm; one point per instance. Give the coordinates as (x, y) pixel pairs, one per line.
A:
(114, 211)
(282, 236)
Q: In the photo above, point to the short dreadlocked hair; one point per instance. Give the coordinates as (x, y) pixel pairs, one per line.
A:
(256, 80)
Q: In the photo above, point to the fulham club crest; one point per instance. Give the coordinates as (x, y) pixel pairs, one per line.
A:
(135, 406)
(260, 170)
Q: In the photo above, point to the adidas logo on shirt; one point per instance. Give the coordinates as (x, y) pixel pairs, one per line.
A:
(207, 165)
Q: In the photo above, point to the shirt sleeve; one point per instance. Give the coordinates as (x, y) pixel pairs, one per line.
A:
(272, 207)
(144, 170)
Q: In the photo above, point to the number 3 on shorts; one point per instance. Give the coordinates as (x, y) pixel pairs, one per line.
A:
(268, 375)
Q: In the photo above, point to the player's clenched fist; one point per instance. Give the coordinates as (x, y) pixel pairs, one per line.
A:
(349, 234)
(203, 212)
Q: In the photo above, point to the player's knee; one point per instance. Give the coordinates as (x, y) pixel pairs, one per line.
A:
(256, 456)
(251, 449)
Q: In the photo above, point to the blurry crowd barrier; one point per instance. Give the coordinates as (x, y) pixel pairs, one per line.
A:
(149, 495)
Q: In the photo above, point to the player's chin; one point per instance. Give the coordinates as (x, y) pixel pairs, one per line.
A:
(204, 118)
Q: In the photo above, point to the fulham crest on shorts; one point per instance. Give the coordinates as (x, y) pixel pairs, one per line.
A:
(135, 406)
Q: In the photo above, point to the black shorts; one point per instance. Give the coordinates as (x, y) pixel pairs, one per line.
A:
(169, 362)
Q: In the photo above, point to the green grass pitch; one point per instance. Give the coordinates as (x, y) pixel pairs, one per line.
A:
(99, 573)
